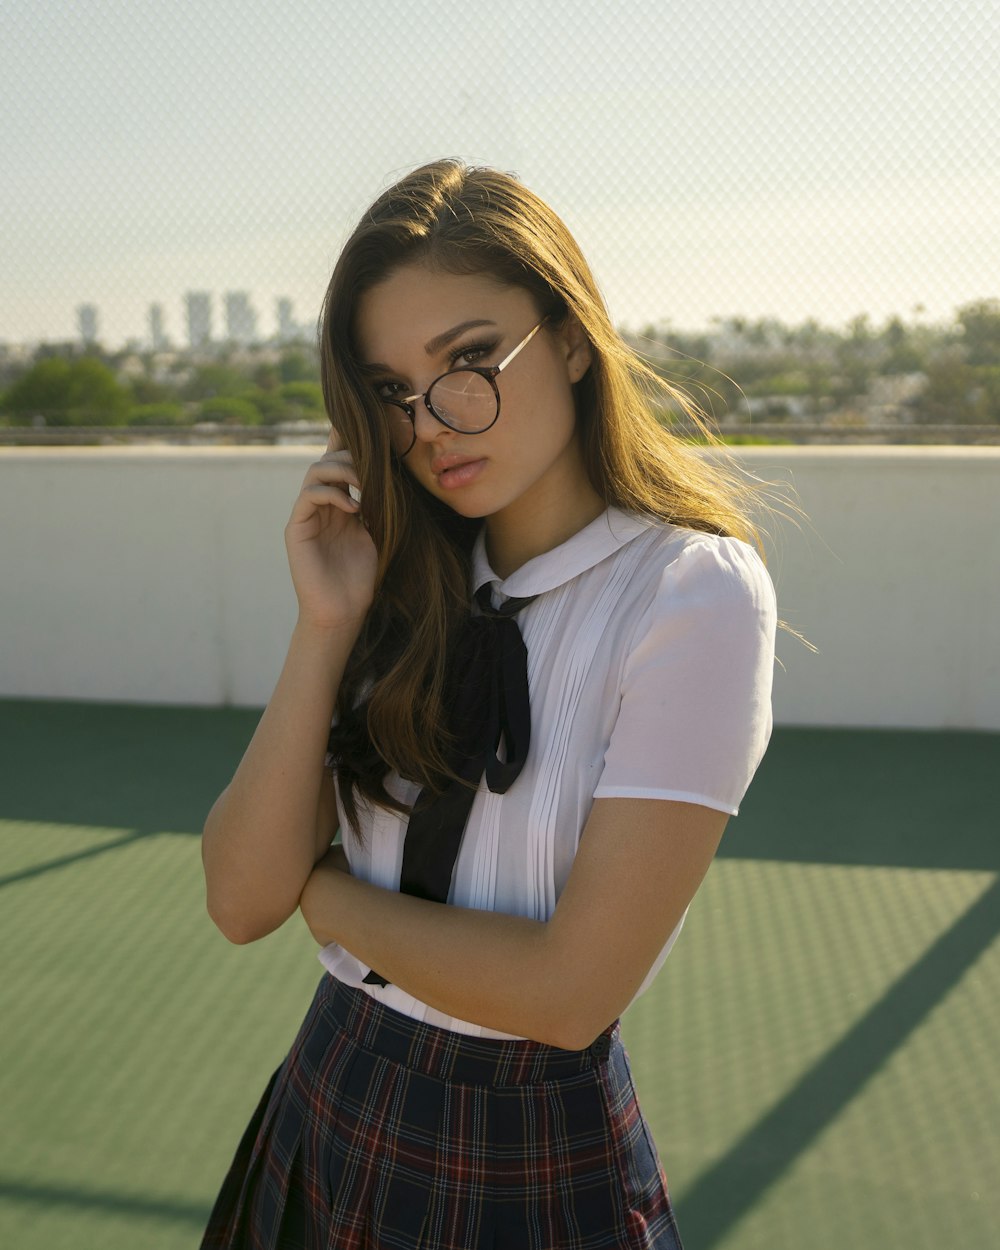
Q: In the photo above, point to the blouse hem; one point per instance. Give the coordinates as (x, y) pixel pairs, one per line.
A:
(678, 796)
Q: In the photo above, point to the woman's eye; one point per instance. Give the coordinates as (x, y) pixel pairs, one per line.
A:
(389, 390)
(471, 354)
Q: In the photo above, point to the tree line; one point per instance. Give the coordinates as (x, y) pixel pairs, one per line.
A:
(944, 373)
(951, 372)
(66, 385)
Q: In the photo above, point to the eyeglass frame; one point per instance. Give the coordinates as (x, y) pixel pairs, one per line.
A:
(489, 372)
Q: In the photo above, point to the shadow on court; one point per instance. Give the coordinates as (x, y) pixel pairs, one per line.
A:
(862, 798)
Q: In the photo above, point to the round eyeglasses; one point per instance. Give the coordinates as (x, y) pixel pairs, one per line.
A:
(465, 400)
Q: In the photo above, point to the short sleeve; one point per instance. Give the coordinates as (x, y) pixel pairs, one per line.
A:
(695, 713)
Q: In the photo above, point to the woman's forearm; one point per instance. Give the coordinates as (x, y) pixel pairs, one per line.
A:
(638, 865)
(259, 843)
(485, 967)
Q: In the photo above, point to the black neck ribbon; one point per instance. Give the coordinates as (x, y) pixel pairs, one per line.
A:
(488, 695)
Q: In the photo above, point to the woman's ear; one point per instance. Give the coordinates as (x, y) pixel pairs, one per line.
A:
(577, 348)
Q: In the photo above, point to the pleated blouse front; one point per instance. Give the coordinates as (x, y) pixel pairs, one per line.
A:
(650, 657)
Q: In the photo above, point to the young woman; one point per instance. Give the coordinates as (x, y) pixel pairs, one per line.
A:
(544, 640)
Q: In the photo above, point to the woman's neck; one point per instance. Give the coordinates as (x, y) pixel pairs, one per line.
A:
(526, 530)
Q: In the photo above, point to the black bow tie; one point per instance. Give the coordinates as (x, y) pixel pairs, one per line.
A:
(488, 702)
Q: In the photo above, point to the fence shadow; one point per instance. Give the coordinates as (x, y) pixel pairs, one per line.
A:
(118, 766)
(868, 798)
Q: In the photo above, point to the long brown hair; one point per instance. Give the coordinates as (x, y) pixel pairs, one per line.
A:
(390, 706)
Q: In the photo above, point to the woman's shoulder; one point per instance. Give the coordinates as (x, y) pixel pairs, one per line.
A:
(692, 558)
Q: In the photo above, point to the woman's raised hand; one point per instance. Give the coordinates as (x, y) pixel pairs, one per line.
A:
(331, 555)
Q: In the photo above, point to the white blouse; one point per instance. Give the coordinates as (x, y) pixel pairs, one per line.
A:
(650, 656)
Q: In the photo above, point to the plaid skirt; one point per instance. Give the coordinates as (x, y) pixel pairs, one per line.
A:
(380, 1132)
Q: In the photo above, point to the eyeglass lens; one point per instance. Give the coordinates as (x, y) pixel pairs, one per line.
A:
(463, 400)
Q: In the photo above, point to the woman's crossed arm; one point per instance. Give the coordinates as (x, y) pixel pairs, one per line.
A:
(561, 981)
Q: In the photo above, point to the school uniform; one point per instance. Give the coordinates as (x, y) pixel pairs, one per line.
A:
(390, 1124)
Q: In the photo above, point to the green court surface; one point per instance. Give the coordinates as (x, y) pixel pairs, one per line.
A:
(815, 1057)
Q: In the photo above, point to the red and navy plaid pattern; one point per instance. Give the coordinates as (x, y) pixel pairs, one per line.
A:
(379, 1132)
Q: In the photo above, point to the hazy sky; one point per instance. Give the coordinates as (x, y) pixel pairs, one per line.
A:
(713, 157)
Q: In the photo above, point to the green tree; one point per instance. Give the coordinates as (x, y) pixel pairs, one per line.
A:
(901, 354)
(269, 404)
(267, 377)
(855, 360)
(158, 414)
(985, 395)
(216, 379)
(980, 324)
(791, 382)
(83, 391)
(147, 390)
(296, 366)
(230, 409)
(949, 383)
(42, 391)
(307, 395)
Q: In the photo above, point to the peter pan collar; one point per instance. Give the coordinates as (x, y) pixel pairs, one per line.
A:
(604, 536)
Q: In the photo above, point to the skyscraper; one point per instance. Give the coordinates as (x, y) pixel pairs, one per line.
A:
(286, 319)
(86, 320)
(241, 320)
(198, 305)
(157, 333)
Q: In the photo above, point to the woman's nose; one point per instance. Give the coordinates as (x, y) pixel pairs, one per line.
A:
(426, 426)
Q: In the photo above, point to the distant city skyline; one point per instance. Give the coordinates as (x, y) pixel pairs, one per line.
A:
(197, 316)
(240, 323)
(713, 159)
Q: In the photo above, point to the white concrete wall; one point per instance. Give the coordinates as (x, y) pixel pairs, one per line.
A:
(158, 575)
(895, 577)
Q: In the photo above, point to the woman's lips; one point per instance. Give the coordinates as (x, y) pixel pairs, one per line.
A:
(460, 474)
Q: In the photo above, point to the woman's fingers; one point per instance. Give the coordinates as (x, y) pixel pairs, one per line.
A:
(332, 479)
(327, 491)
(333, 467)
(317, 494)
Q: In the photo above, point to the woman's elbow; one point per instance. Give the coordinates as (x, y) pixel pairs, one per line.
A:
(234, 927)
(573, 1010)
(577, 1033)
(239, 923)
(567, 1034)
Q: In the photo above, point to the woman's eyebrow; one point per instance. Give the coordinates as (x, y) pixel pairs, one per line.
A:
(433, 346)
